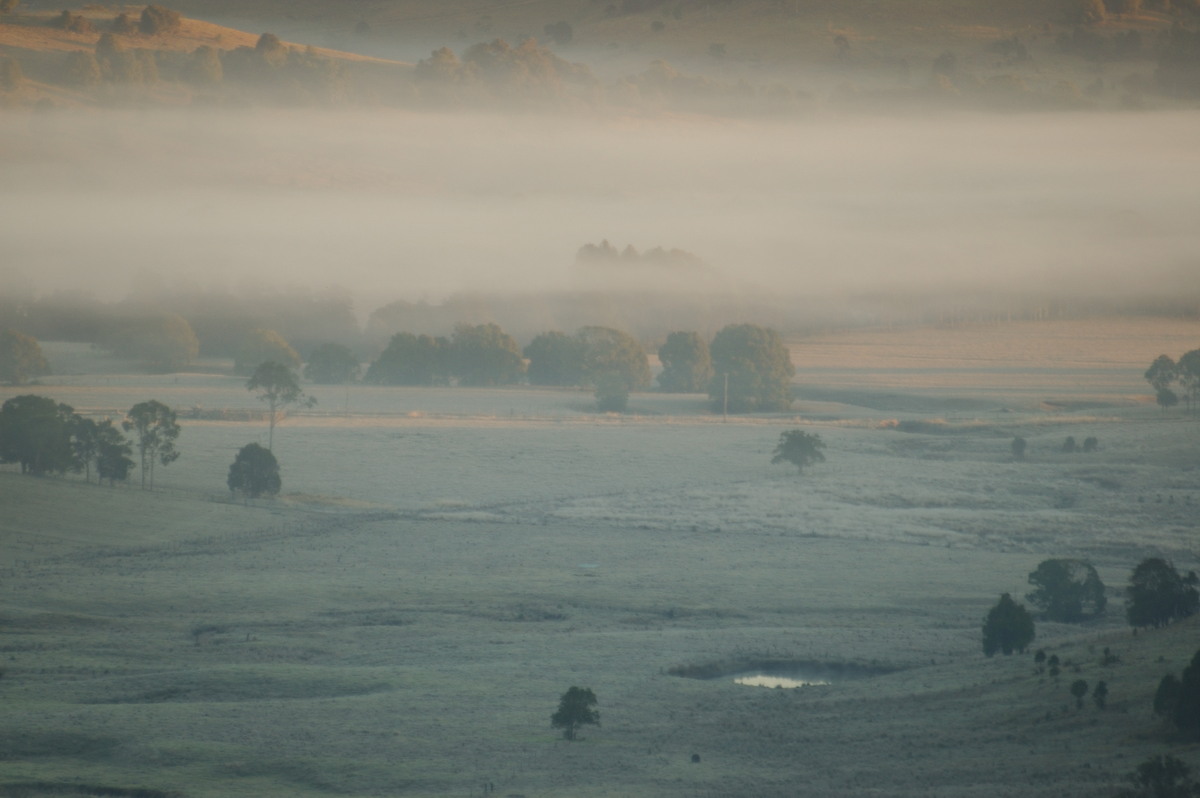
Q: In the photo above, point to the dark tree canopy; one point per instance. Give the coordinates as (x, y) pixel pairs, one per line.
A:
(758, 367)
(1186, 712)
(411, 360)
(485, 355)
(555, 358)
(576, 708)
(1066, 590)
(254, 472)
(332, 364)
(35, 431)
(799, 448)
(1157, 594)
(20, 358)
(1160, 777)
(686, 363)
(613, 355)
(157, 430)
(1008, 627)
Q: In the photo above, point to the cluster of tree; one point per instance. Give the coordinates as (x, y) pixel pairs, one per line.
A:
(1070, 591)
(1158, 594)
(1184, 373)
(497, 70)
(46, 437)
(271, 70)
(1067, 590)
(474, 355)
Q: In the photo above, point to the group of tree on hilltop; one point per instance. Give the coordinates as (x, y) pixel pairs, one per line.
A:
(1184, 373)
(1070, 591)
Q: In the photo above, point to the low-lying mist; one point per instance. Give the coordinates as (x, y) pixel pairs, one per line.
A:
(395, 205)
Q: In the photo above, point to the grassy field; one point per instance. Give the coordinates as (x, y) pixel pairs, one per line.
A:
(445, 563)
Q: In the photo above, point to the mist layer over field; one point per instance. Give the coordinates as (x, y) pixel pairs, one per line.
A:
(396, 205)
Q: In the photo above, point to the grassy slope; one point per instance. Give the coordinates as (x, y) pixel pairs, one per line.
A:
(180, 643)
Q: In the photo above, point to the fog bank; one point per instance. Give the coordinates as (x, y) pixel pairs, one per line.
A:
(394, 205)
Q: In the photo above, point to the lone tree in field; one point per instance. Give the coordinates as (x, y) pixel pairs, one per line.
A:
(1066, 590)
(20, 358)
(276, 385)
(157, 430)
(1008, 627)
(799, 448)
(686, 362)
(576, 708)
(1079, 689)
(752, 370)
(254, 472)
(1157, 594)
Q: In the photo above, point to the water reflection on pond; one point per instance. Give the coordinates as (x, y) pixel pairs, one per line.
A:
(774, 680)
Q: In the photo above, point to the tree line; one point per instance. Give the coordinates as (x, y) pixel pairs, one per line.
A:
(745, 368)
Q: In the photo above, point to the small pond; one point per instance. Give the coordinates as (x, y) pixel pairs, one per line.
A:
(786, 681)
(779, 672)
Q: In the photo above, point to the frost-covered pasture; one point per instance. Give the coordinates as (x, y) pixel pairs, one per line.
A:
(446, 562)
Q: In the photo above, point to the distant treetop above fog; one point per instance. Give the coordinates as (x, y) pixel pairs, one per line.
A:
(605, 254)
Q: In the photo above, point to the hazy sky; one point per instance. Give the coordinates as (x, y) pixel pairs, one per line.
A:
(400, 205)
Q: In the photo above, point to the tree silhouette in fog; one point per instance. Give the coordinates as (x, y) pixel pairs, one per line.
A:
(1008, 627)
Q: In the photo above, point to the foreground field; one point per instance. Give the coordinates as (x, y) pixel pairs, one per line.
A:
(446, 563)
